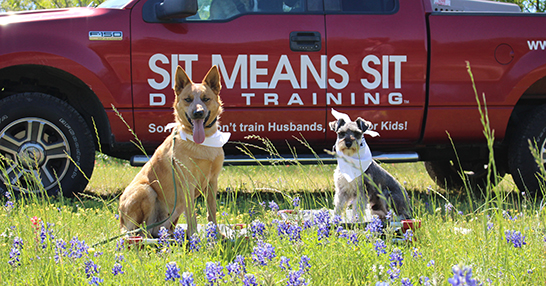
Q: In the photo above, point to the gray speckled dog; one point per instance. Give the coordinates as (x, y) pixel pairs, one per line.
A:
(375, 187)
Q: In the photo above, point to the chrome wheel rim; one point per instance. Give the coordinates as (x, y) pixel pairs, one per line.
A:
(35, 155)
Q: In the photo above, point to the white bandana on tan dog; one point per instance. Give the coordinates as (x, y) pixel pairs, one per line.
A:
(218, 139)
(351, 167)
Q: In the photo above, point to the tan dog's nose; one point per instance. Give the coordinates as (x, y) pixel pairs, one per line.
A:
(198, 112)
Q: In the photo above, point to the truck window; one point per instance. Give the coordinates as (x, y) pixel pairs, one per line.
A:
(210, 10)
(360, 6)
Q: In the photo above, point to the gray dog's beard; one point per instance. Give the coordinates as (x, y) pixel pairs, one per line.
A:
(351, 167)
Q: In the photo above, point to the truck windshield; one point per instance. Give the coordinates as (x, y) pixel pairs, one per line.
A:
(114, 4)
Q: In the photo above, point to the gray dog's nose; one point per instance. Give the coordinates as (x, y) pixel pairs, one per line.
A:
(348, 143)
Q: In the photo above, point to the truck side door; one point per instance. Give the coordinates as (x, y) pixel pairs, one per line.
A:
(377, 51)
(271, 59)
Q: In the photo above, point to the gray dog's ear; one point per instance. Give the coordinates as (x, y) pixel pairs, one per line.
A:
(334, 125)
(363, 124)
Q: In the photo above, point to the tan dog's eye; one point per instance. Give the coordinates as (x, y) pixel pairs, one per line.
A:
(188, 100)
(206, 99)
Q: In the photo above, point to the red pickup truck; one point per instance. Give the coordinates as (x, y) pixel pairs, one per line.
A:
(66, 73)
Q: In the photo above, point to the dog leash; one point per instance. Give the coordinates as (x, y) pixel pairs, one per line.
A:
(175, 131)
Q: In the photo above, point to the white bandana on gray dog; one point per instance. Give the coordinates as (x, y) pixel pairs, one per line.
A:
(351, 167)
(218, 139)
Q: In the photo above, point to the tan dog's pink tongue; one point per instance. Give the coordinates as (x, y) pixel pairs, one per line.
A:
(198, 131)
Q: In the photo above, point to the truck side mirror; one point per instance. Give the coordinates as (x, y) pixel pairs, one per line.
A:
(175, 9)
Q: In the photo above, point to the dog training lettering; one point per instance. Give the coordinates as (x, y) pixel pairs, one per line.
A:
(402, 66)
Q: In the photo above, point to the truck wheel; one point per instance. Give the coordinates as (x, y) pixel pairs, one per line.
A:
(447, 174)
(41, 137)
(522, 164)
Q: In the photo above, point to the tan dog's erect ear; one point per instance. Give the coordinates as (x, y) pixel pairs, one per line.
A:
(181, 80)
(334, 125)
(363, 124)
(212, 80)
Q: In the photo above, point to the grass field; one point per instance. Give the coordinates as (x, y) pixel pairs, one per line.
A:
(50, 241)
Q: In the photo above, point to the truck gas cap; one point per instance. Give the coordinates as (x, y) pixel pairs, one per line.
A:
(504, 54)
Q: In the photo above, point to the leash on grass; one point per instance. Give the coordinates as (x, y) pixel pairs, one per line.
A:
(157, 223)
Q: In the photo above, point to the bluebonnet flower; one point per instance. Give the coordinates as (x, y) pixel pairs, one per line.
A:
(15, 252)
(295, 279)
(382, 283)
(296, 202)
(257, 229)
(250, 280)
(172, 272)
(263, 252)
(195, 242)
(214, 273)
(117, 269)
(187, 279)
(515, 237)
(406, 282)
(489, 226)
(394, 273)
(179, 235)
(60, 249)
(273, 206)
(212, 232)
(448, 207)
(91, 268)
(423, 280)
(545, 238)
(45, 233)
(396, 258)
(304, 264)
(285, 263)
(416, 253)
(462, 277)
(95, 280)
(389, 215)
(163, 236)
(507, 215)
(120, 244)
(241, 260)
(380, 247)
(408, 235)
(78, 248)
(292, 230)
(431, 263)
(322, 221)
(375, 226)
(307, 224)
(233, 269)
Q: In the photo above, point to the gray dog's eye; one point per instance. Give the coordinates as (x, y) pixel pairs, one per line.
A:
(341, 134)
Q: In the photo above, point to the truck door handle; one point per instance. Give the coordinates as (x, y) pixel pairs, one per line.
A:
(305, 41)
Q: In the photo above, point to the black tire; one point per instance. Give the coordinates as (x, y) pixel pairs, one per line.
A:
(41, 137)
(447, 175)
(521, 163)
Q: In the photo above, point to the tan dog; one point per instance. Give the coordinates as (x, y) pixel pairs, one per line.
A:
(150, 197)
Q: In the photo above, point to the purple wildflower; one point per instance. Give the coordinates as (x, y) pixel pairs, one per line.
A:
(233, 268)
(250, 280)
(257, 229)
(241, 260)
(408, 235)
(380, 247)
(15, 252)
(295, 279)
(375, 226)
(431, 263)
(416, 253)
(448, 207)
(285, 263)
(296, 202)
(515, 237)
(394, 273)
(179, 235)
(60, 249)
(273, 206)
(77, 248)
(212, 232)
(163, 236)
(304, 264)
(423, 280)
(117, 269)
(95, 280)
(462, 277)
(172, 272)
(214, 273)
(489, 226)
(396, 258)
(91, 268)
(406, 282)
(263, 252)
(195, 243)
(187, 279)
